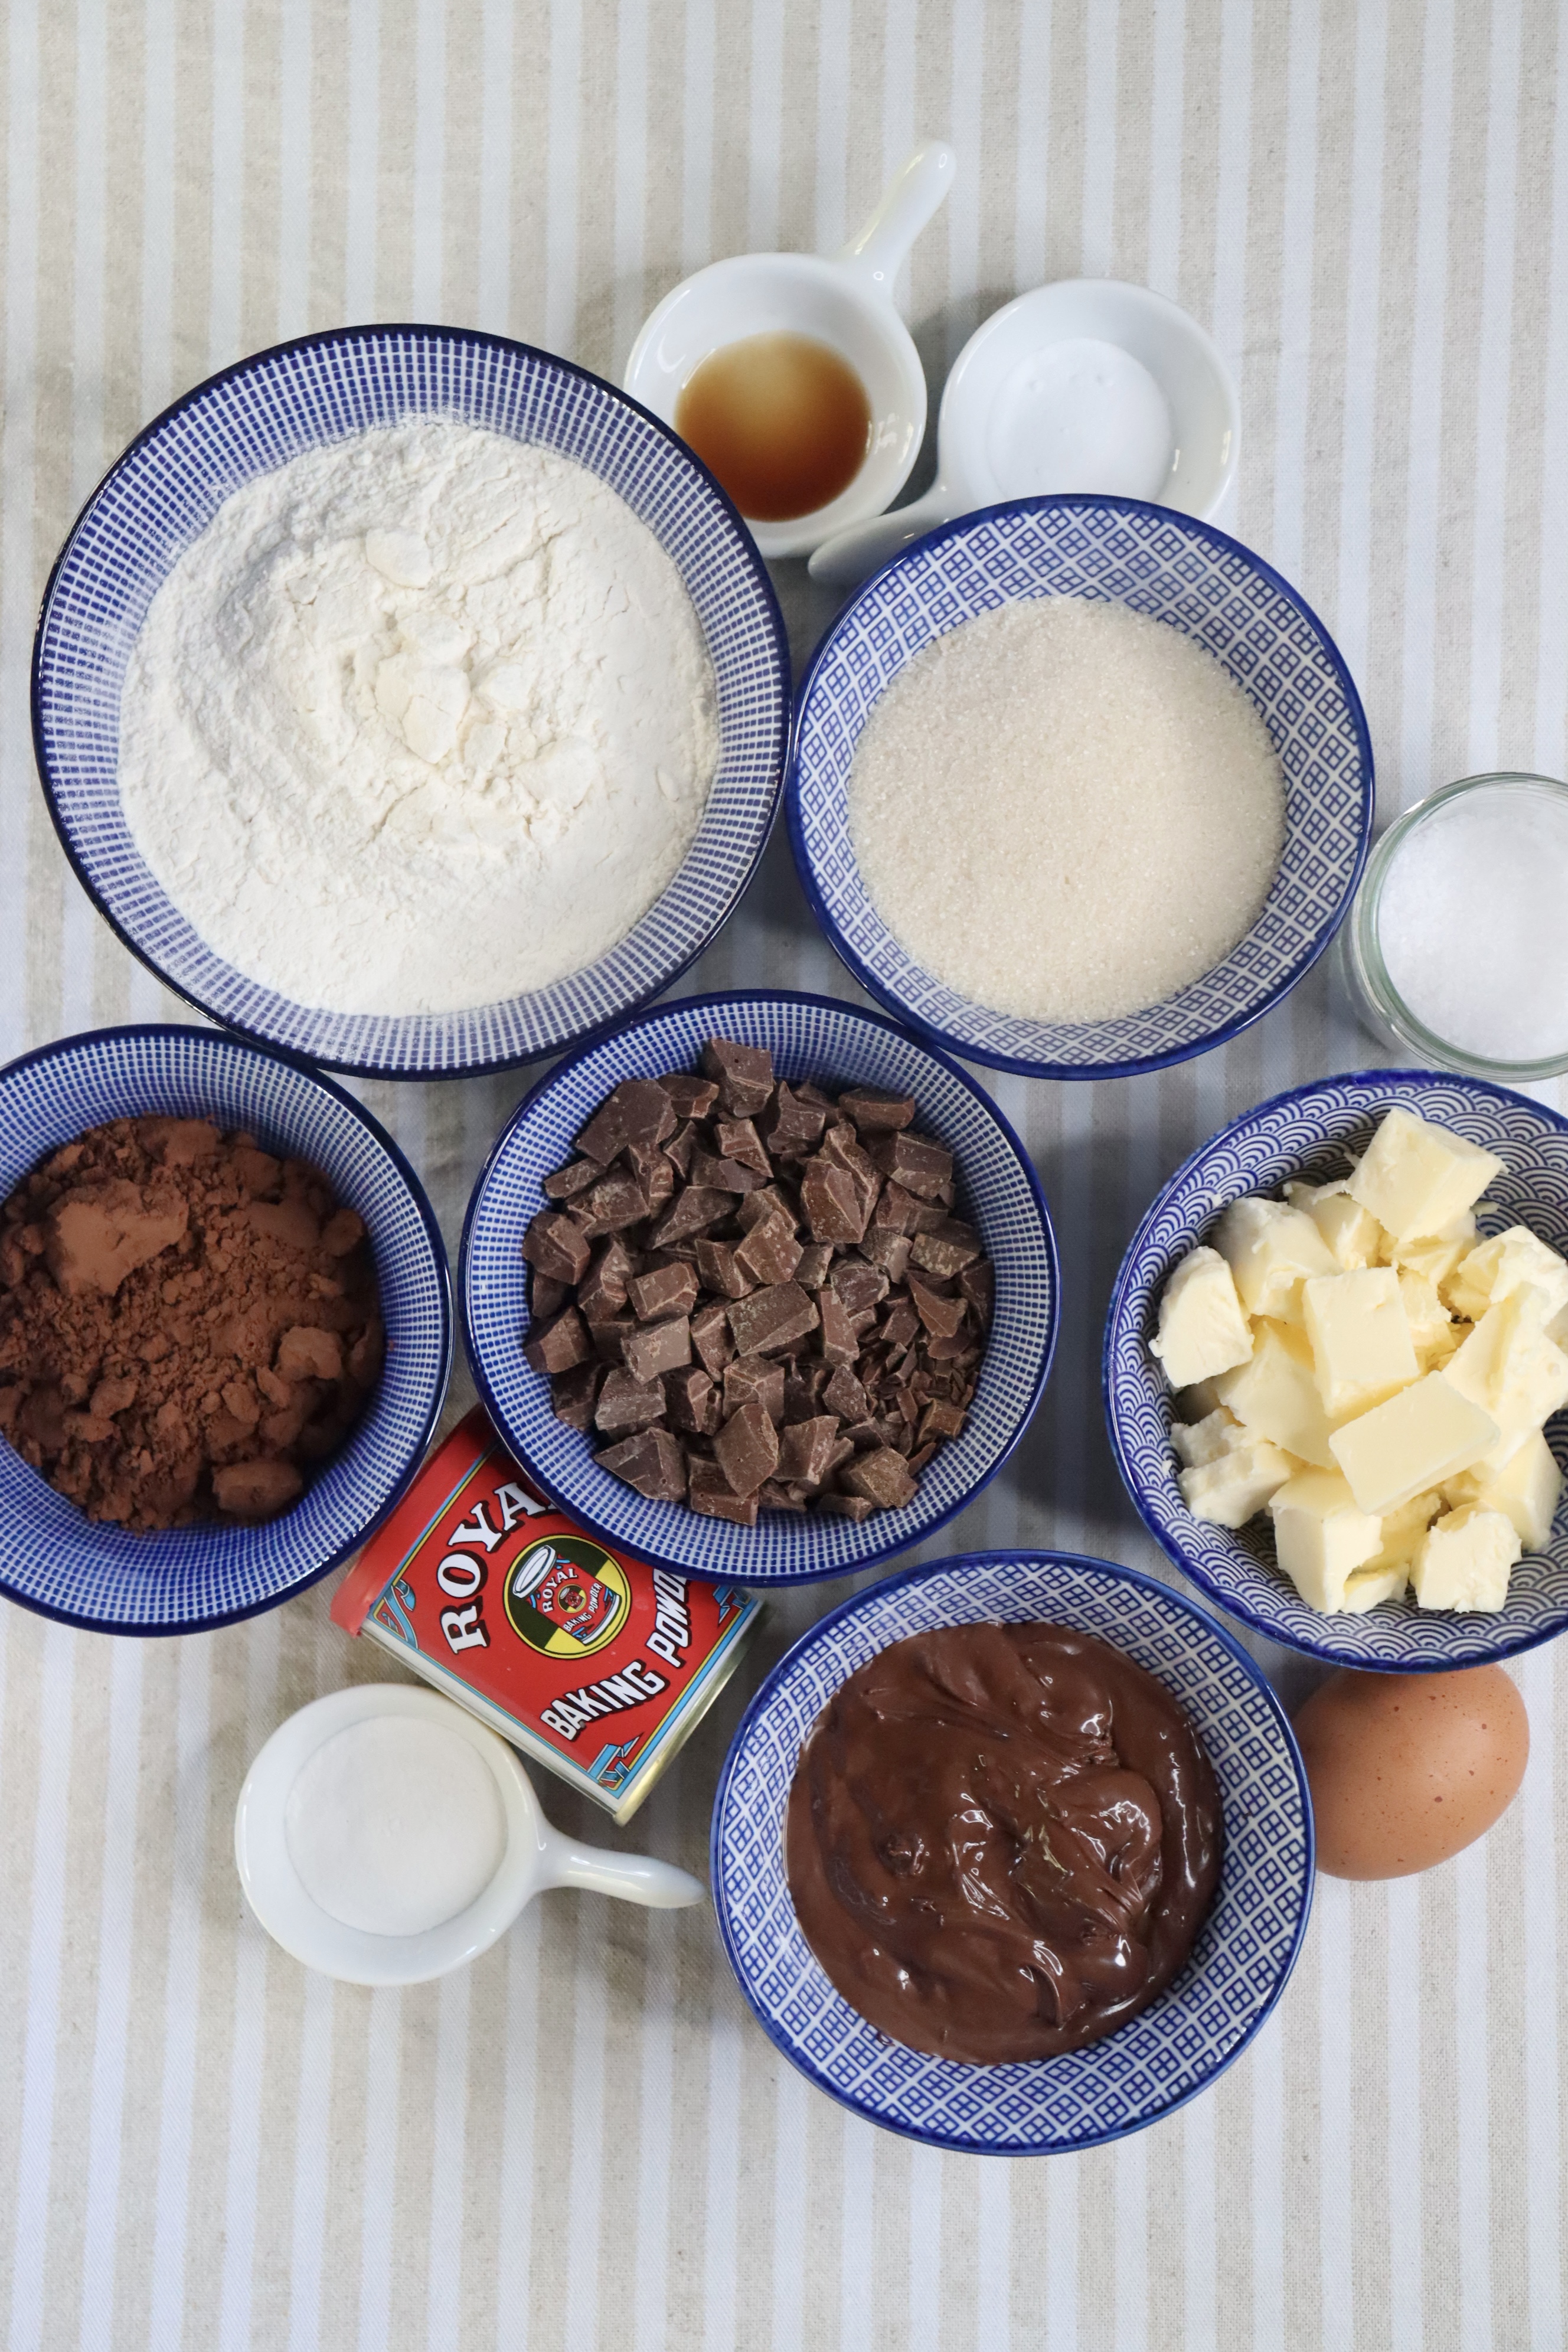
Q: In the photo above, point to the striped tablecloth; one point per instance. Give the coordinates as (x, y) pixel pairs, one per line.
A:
(584, 2141)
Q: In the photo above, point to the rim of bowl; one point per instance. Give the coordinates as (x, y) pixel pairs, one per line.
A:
(1118, 1573)
(298, 1055)
(947, 1038)
(1193, 1569)
(601, 1528)
(60, 1046)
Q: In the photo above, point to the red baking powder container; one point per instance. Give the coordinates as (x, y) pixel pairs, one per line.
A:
(592, 1662)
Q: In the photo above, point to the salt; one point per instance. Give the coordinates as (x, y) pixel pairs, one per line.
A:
(1471, 927)
(396, 1826)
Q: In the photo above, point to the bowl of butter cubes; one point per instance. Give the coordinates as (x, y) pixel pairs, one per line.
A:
(1336, 1369)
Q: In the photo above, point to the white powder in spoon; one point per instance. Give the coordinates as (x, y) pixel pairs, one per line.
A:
(1066, 811)
(421, 721)
(394, 1825)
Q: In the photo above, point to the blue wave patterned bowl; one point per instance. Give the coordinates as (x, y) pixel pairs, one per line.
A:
(187, 1579)
(166, 490)
(1313, 1132)
(1173, 569)
(809, 1037)
(1245, 1948)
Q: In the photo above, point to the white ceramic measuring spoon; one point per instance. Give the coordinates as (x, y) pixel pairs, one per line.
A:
(534, 1857)
(1089, 384)
(846, 302)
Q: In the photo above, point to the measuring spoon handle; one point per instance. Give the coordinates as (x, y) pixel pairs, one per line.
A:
(852, 555)
(908, 200)
(631, 1878)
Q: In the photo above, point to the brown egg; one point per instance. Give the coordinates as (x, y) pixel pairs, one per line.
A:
(1406, 1769)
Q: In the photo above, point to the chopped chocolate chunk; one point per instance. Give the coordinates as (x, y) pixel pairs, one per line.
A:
(710, 1336)
(568, 1182)
(718, 1266)
(770, 1251)
(724, 1175)
(572, 1395)
(830, 1197)
(844, 1396)
(603, 1293)
(744, 1073)
(952, 1347)
(640, 1112)
(919, 1457)
(948, 1249)
(883, 1477)
(658, 1183)
(691, 1212)
(659, 1348)
(978, 1284)
(690, 1097)
(807, 1449)
(848, 1507)
(771, 1320)
(557, 1246)
(941, 1316)
(941, 1420)
(692, 1400)
(771, 1497)
(899, 1326)
(615, 1202)
(754, 1377)
(663, 1290)
(859, 1284)
(747, 1448)
(709, 1491)
(738, 1140)
(609, 1333)
(839, 1343)
(794, 1127)
(840, 1149)
(556, 1346)
(768, 1200)
(546, 1297)
(875, 1113)
(652, 1462)
(682, 1145)
(816, 1262)
(914, 1161)
(898, 1211)
(803, 1391)
(626, 1404)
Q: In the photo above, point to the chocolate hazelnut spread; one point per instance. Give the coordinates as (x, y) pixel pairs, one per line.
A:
(1002, 1841)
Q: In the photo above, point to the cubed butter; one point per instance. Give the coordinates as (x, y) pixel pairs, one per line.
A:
(1201, 1327)
(1228, 1491)
(1512, 1370)
(1371, 1586)
(1511, 1261)
(1204, 1441)
(1464, 1560)
(1361, 1348)
(1415, 1176)
(1403, 1529)
(1525, 1490)
(1354, 1236)
(1198, 1401)
(1425, 1435)
(1320, 1537)
(1432, 1328)
(1271, 1249)
(1275, 1394)
(1434, 1254)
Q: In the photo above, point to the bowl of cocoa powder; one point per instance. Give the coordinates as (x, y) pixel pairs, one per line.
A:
(225, 1328)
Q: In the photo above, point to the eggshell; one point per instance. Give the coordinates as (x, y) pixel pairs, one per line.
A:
(1406, 1769)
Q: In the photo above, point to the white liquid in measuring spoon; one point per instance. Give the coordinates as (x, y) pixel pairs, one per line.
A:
(394, 1825)
(1471, 927)
(1080, 416)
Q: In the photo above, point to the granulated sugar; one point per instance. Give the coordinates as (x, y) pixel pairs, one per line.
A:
(1066, 811)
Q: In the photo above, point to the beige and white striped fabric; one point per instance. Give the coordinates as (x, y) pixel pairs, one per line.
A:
(584, 2141)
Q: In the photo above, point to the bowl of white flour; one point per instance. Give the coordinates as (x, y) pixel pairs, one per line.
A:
(411, 700)
(1079, 787)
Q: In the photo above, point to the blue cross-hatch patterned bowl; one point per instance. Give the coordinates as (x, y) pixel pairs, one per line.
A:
(836, 1044)
(1245, 1949)
(1313, 1132)
(53, 1557)
(1173, 569)
(166, 488)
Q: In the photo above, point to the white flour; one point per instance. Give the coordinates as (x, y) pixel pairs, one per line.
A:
(421, 721)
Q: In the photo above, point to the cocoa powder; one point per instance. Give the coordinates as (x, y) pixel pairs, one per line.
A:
(188, 1325)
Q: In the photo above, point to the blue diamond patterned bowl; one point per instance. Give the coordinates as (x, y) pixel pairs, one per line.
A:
(1245, 1948)
(166, 488)
(1312, 1133)
(1173, 569)
(54, 1560)
(809, 1037)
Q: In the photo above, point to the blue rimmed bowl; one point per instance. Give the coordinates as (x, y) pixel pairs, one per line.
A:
(54, 1559)
(816, 1037)
(164, 492)
(1312, 1133)
(1172, 569)
(1246, 1946)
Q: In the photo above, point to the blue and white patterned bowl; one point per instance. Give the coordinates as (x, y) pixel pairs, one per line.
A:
(809, 1037)
(54, 1560)
(1313, 1132)
(1244, 1950)
(166, 488)
(1173, 569)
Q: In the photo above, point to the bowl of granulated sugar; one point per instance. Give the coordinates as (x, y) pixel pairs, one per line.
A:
(1079, 787)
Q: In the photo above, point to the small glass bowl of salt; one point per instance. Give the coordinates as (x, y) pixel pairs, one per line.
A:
(1459, 940)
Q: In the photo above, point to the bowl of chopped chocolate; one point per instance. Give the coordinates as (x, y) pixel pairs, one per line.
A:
(760, 1287)
(225, 1328)
(1013, 1853)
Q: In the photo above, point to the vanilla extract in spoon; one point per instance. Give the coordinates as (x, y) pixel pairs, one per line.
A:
(782, 421)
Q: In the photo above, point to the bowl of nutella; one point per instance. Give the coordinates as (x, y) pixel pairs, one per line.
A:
(1013, 1853)
(411, 700)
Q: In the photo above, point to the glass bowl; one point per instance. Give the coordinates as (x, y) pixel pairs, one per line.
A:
(1381, 952)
